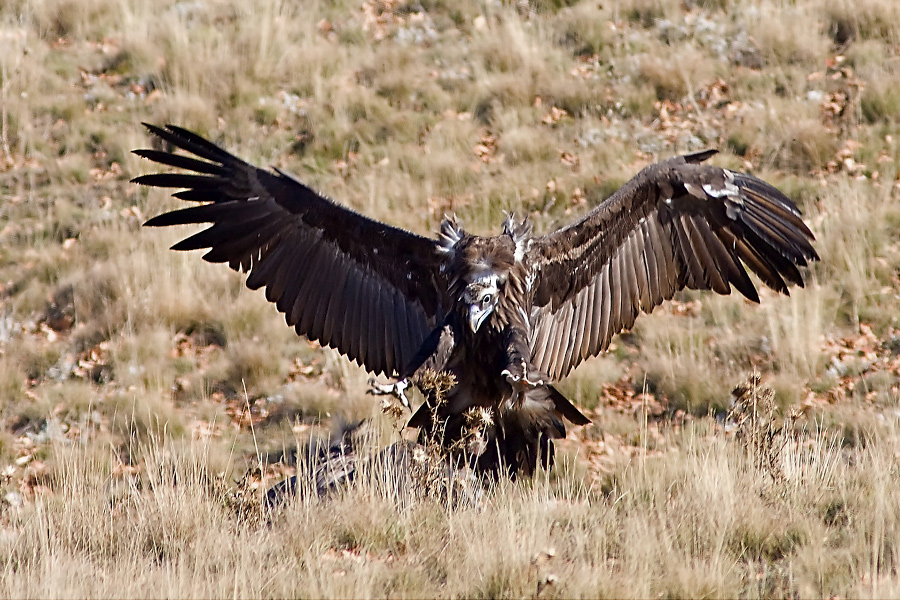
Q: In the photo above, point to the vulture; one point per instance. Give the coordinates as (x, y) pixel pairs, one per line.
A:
(505, 315)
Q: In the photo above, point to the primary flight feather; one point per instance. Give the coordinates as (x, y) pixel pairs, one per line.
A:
(506, 315)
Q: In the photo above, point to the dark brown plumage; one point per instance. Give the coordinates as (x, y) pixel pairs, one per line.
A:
(505, 315)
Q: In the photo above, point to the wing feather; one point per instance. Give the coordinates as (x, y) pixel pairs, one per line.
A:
(615, 293)
(624, 289)
(181, 162)
(364, 340)
(401, 324)
(281, 276)
(772, 200)
(405, 327)
(291, 303)
(375, 341)
(205, 213)
(662, 252)
(592, 332)
(196, 195)
(759, 265)
(373, 320)
(335, 299)
(661, 242)
(677, 224)
(651, 256)
(582, 315)
(712, 277)
(369, 290)
(190, 141)
(181, 180)
(605, 334)
(351, 321)
(590, 303)
(388, 317)
(640, 256)
(220, 231)
(689, 266)
(540, 339)
(312, 295)
(635, 275)
(777, 230)
(244, 244)
(727, 263)
(556, 335)
(577, 317)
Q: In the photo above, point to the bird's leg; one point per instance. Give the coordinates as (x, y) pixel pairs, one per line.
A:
(396, 389)
(519, 371)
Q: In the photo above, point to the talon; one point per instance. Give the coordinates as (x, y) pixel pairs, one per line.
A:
(516, 378)
(396, 389)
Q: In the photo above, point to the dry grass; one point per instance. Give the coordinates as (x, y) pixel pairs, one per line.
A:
(707, 520)
(140, 389)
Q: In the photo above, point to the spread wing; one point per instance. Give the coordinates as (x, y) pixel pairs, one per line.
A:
(677, 224)
(371, 291)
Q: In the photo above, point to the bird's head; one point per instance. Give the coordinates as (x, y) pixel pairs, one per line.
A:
(481, 296)
(479, 269)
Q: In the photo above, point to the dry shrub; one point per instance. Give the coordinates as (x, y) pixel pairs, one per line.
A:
(525, 145)
(668, 82)
(803, 145)
(645, 12)
(791, 36)
(582, 29)
(72, 18)
(403, 472)
(856, 227)
(879, 102)
(800, 143)
(867, 19)
(754, 415)
(439, 472)
(796, 331)
(679, 363)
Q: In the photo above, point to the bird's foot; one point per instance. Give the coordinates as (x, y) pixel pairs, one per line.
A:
(523, 377)
(396, 389)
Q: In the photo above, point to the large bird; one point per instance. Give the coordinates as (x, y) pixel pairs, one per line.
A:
(505, 315)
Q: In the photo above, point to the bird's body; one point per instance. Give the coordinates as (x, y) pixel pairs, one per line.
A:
(505, 315)
(484, 344)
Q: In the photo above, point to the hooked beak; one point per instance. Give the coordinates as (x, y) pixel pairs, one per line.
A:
(477, 315)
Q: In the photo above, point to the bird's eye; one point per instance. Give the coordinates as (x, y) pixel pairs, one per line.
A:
(485, 300)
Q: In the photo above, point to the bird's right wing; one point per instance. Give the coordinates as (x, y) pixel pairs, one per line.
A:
(372, 291)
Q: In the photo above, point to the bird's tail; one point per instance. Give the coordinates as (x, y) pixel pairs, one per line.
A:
(566, 408)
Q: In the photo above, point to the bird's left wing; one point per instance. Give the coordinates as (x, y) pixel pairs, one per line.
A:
(677, 224)
(372, 291)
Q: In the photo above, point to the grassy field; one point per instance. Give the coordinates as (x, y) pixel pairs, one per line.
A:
(142, 389)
